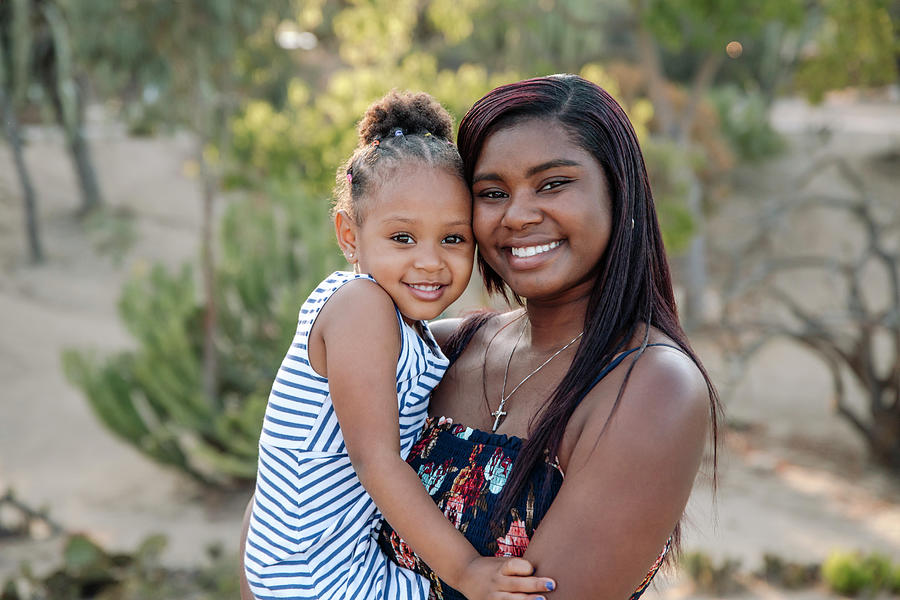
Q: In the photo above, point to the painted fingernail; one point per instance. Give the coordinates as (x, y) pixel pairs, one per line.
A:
(541, 598)
(550, 586)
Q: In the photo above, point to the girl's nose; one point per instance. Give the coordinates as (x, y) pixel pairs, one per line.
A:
(428, 258)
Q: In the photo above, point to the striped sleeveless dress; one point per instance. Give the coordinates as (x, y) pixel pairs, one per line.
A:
(313, 527)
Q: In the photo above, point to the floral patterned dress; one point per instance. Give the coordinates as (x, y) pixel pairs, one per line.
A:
(464, 470)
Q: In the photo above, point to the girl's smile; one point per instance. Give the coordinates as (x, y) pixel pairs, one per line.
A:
(415, 239)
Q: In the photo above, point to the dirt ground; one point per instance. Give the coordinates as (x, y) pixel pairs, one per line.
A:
(794, 479)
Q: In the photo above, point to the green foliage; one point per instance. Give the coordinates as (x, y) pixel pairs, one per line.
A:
(272, 251)
(851, 573)
(787, 574)
(744, 119)
(857, 45)
(893, 584)
(111, 232)
(708, 25)
(89, 571)
(179, 62)
(709, 577)
(669, 168)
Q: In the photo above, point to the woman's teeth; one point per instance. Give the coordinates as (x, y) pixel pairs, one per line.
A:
(424, 288)
(532, 250)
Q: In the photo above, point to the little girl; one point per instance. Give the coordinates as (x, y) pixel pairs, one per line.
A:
(331, 454)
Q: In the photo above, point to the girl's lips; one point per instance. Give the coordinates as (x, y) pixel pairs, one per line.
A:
(426, 291)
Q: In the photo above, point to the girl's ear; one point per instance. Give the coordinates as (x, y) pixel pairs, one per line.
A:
(347, 232)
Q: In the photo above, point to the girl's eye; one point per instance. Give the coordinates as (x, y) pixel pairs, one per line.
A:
(454, 239)
(402, 238)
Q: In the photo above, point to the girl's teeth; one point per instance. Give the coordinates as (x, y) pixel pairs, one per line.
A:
(424, 288)
(532, 250)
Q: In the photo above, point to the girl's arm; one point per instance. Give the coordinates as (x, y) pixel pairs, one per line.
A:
(359, 330)
(625, 490)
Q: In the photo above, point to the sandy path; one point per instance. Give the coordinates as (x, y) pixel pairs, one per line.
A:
(793, 481)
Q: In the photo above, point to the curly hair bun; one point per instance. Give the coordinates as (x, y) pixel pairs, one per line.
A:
(414, 113)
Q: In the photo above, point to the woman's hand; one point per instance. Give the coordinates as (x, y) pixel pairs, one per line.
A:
(486, 578)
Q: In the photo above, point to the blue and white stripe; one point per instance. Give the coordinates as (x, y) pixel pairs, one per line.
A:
(313, 526)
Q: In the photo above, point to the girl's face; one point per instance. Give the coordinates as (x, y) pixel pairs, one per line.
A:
(415, 239)
(542, 214)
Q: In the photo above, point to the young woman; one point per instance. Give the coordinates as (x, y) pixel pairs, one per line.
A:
(572, 427)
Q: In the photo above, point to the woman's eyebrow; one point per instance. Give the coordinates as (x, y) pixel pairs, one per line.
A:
(557, 162)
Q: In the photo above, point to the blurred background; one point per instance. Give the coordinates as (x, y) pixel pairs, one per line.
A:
(165, 177)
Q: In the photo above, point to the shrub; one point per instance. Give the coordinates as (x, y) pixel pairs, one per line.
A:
(850, 573)
(787, 574)
(709, 577)
(272, 253)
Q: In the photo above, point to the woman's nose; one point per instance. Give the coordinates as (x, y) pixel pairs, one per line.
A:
(520, 212)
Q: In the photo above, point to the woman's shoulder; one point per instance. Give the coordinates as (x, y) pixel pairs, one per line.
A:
(665, 391)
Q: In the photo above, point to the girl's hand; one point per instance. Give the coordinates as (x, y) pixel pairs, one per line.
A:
(487, 578)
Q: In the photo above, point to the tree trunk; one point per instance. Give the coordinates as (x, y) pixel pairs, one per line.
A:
(35, 248)
(695, 272)
(84, 167)
(76, 144)
(885, 429)
(210, 317)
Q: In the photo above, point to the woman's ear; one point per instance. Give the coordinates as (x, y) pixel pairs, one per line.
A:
(347, 231)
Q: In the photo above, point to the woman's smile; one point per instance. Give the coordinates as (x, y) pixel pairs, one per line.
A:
(525, 251)
(542, 215)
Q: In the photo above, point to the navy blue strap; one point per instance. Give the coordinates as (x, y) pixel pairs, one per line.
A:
(615, 363)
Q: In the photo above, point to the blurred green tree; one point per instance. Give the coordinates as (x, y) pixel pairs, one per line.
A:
(37, 56)
(10, 53)
(40, 58)
(701, 29)
(153, 396)
(185, 54)
(857, 44)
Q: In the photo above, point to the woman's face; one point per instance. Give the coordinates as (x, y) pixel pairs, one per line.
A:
(542, 214)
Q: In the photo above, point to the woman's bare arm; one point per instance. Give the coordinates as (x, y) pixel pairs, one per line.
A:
(625, 490)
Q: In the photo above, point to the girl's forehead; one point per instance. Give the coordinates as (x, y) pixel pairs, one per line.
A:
(420, 195)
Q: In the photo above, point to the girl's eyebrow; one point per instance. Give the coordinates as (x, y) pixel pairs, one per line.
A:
(557, 162)
(408, 221)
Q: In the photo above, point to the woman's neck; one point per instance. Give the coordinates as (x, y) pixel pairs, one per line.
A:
(553, 325)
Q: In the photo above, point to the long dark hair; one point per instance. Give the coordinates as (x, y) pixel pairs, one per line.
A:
(633, 288)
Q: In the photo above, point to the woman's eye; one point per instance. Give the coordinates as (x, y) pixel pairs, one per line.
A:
(454, 239)
(553, 184)
(491, 194)
(402, 238)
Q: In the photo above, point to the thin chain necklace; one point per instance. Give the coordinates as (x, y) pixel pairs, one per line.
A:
(500, 413)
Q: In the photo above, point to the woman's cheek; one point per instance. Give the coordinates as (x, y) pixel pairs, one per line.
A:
(485, 221)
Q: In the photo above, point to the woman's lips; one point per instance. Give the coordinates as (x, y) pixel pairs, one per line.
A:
(526, 251)
(531, 255)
